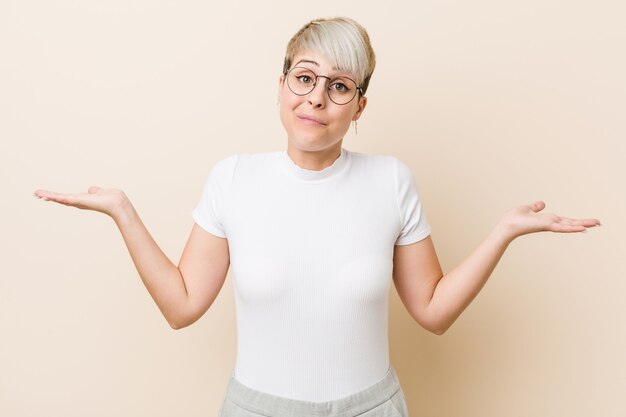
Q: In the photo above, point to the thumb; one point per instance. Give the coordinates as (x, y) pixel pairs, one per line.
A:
(537, 206)
(93, 189)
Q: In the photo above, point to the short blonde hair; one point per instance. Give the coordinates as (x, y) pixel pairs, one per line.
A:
(340, 39)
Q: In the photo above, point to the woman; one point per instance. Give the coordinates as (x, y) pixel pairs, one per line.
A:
(313, 235)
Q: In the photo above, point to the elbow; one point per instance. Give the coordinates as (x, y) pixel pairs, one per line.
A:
(439, 331)
(436, 322)
(182, 321)
(178, 323)
(176, 326)
(440, 328)
(437, 328)
(182, 318)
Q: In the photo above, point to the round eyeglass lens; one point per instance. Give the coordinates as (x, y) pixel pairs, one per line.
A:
(301, 81)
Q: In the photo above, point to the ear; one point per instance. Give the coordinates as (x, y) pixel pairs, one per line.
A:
(359, 111)
(281, 80)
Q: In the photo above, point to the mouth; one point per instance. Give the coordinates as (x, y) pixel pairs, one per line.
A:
(310, 120)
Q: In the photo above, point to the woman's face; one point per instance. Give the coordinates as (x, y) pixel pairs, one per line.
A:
(312, 121)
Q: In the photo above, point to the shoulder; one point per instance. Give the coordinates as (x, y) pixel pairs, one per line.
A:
(381, 164)
(259, 158)
(226, 163)
(244, 160)
(223, 169)
(372, 162)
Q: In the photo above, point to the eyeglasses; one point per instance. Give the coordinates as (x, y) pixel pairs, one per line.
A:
(341, 90)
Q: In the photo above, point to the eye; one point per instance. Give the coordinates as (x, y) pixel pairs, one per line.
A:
(304, 79)
(339, 86)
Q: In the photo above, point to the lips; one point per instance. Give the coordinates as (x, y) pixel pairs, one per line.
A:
(310, 120)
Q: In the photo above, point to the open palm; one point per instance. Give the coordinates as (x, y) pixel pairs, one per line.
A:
(526, 219)
(107, 201)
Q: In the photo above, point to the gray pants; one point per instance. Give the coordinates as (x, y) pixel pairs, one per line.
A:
(383, 399)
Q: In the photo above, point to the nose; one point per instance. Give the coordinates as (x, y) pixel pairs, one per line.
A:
(317, 97)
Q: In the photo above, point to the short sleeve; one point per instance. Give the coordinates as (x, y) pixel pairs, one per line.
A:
(210, 212)
(414, 226)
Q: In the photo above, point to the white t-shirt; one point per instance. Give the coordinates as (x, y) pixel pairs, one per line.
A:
(311, 259)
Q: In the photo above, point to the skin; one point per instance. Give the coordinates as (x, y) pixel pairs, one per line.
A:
(315, 128)
(313, 145)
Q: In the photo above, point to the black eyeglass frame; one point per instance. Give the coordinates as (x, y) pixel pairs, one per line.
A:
(358, 88)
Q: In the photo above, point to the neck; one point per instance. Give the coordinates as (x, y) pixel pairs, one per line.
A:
(314, 160)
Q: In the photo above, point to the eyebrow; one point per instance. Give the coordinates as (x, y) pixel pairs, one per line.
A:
(309, 61)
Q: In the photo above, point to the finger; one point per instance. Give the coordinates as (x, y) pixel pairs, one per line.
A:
(44, 194)
(552, 218)
(584, 222)
(589, 222)
(567, 228)
(40, 193)
(537, 206)
(39, 196)
(66, 199)
(568, 221)
(93, 189)
(60, 198)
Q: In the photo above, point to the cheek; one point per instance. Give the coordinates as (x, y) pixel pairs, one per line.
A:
(286, 107)
(287, 100)
(345, 115)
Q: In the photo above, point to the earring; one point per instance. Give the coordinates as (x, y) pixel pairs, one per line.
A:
(355, 130)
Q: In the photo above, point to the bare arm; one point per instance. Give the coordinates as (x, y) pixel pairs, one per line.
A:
(436, 300)
(183, 293)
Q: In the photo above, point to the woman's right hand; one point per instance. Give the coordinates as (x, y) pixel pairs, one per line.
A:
(182, 293)
(108, 201)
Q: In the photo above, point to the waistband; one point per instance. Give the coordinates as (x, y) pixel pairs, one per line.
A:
(354, 404)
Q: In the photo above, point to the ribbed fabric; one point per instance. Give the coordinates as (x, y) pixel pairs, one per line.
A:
(312, 176)
(311, 262)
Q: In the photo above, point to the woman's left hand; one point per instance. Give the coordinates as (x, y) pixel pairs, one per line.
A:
(523, 220)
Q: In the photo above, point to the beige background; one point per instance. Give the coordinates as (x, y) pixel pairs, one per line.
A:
(491, 103)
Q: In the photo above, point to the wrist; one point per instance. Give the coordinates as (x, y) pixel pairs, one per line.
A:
(123, 211)
(505, 231)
